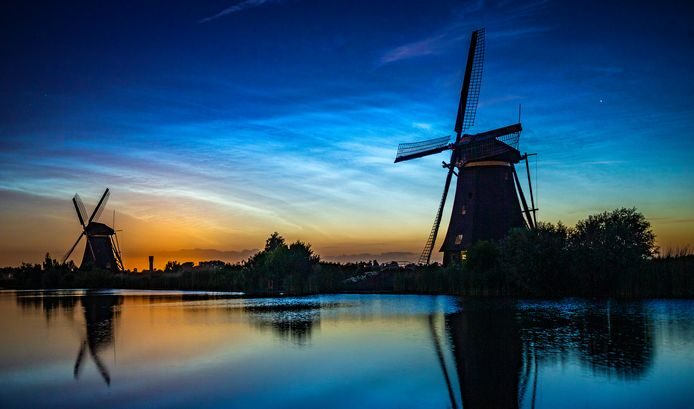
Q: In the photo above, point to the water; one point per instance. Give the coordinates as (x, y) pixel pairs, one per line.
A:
(171, 349)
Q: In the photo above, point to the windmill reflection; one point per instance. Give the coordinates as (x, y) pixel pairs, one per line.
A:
(487, 351)
(99, 311)
(99, 314)
(499, 349)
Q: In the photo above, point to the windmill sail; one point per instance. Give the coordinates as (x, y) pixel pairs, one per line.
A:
(425, 257)
(407, 151)
(472, 82)
(67, 255)
(79, 207)
(100, 206)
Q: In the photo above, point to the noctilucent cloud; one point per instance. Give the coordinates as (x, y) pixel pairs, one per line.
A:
(216, 123)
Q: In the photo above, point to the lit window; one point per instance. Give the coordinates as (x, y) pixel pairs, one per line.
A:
(464, 211)
(458, 239)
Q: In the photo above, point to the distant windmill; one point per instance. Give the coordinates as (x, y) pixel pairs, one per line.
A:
(102, 249)
(486, 204)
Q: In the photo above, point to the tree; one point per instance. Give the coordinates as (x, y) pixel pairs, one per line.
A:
(282, 267)
(610, 245)
(482, 266)
(172, 267)
(535, 260)
(273, 242)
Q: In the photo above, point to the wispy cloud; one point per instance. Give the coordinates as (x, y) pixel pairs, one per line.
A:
(427, 46)
(508, 14)
(518, 32)
(246, 4)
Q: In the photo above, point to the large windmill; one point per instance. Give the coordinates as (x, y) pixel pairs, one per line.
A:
(486, 204)
(102, 249)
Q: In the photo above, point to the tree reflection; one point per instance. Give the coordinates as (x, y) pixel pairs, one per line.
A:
(293, 322)
(616, 340)
(50, 304)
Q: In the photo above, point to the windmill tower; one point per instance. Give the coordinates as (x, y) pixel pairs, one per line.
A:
(486, 204)
(102, 249)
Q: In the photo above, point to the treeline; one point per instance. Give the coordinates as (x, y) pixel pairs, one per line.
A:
(607, 254)
(279, 268)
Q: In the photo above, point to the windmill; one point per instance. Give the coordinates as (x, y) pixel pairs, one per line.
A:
(102, 249)
(486, 204)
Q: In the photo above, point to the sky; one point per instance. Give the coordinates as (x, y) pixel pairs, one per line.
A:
(216, 123)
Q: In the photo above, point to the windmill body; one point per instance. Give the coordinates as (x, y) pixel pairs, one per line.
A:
(488, 194)
(99, 251)
(102, 250)
(486, 204)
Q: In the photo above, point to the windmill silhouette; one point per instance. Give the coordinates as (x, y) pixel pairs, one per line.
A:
(102, 249)
(486, 204)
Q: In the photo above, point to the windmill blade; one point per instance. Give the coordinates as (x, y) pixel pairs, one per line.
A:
(79, 208)
(79, 360)
(498, 133)
(472, 82)
(116, 245)
(100, 207)
(103, 370)
(442, 361)
(408, 151)
(425, 257)
(67, 255)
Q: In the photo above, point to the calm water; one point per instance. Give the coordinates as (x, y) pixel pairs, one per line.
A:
(166, 349)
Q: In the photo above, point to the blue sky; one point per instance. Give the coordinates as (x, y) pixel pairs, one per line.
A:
(219, 122)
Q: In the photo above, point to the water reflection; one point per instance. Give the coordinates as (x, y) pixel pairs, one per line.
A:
(463, 353)
(99, 311)
(99, 314)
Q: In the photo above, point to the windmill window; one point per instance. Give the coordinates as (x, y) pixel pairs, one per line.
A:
(458, 239)
(469, 195)
(464, 211)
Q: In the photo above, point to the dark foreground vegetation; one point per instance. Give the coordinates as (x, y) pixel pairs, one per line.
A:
(608, 254)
